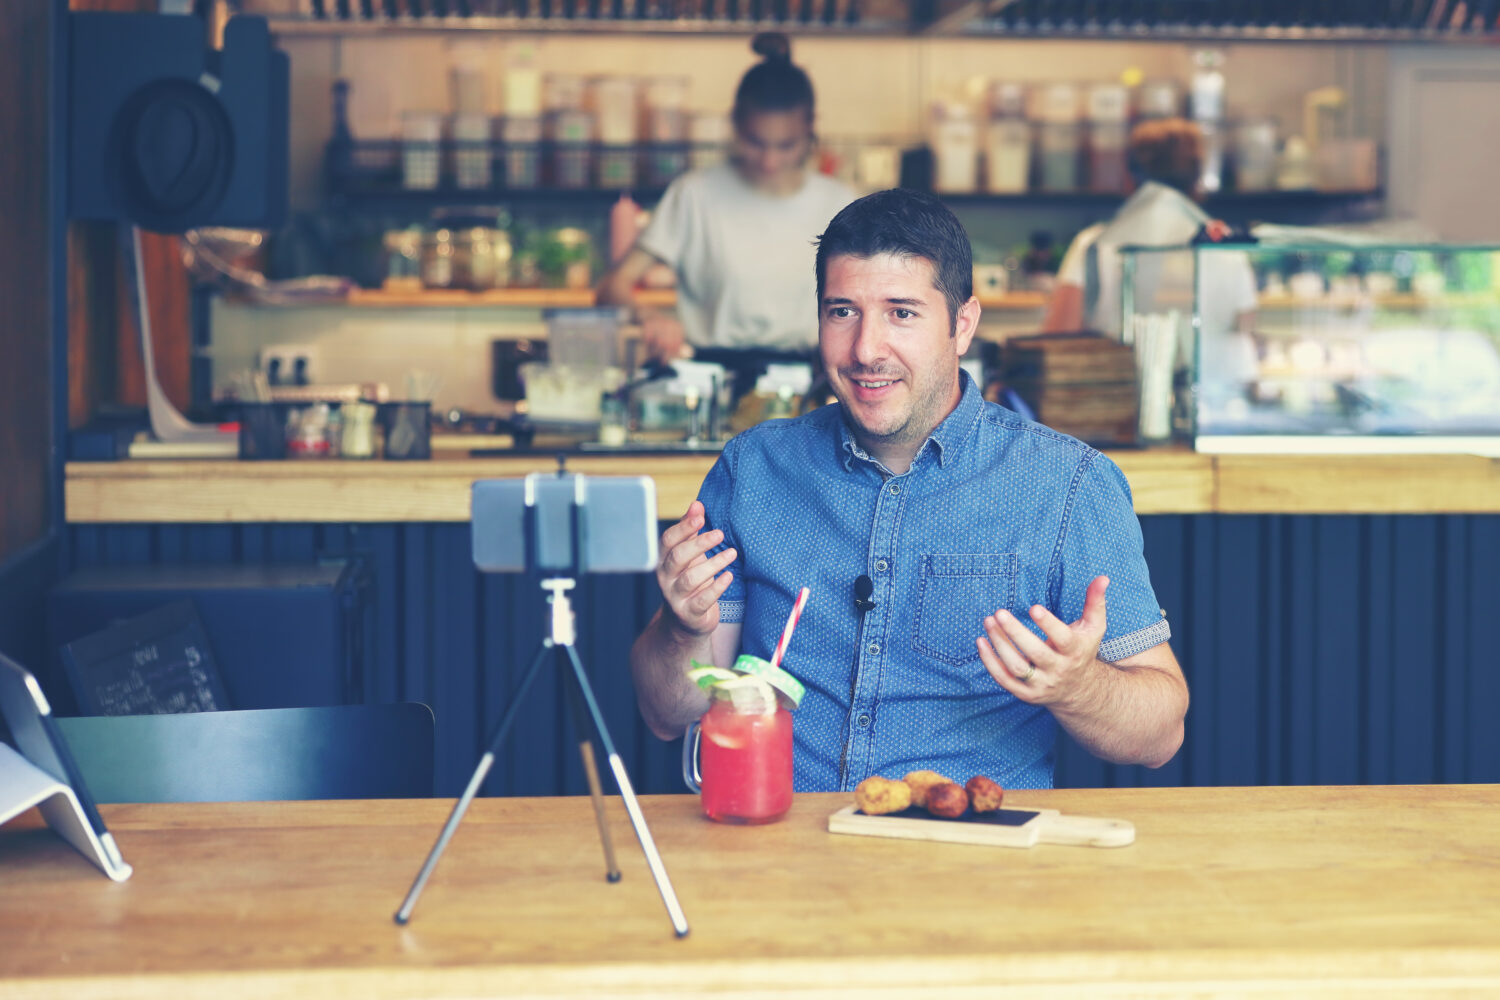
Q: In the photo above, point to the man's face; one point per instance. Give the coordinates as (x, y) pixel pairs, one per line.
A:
(891, 351)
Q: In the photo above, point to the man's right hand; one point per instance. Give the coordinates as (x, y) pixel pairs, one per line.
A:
(691, 583)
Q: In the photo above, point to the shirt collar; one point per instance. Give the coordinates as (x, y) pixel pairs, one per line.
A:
(945, 439)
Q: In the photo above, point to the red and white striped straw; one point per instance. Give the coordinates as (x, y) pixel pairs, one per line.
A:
(791, 623)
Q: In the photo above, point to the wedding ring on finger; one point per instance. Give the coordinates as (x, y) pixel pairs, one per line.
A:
(1030, 672)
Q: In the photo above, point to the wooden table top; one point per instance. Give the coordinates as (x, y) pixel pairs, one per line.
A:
(1162, 481)
(1226, 891)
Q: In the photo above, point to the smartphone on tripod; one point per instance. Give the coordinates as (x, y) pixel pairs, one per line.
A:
(616, 522)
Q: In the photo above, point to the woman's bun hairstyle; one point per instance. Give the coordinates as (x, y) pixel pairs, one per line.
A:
(775, 83)
(772, 46)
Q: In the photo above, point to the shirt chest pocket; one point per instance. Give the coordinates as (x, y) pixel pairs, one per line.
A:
(957, 590)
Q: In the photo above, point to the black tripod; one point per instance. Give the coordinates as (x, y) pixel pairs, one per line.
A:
(559, 642)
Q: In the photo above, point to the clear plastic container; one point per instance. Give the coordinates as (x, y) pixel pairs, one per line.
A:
(471, 150)
(1255, 156)
(1159, 99)
(568, 394)
(521, 139)
(1206, 94)
(955, 146)
(615, 103)
(421, 150)
(1007, 156)
(1059, 144)
(572, 148)
(1109, 170)
(708, 136)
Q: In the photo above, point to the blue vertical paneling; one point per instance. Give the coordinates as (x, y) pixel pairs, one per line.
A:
(452, 652)
(383, 678)
(491, 689)
(534, 757)
(1338, 655)
(1453, 637)
(1482, 667)
(1199, 563)
(657, 764)
(1322, 649)
(1299, 658)
(1238, 661)
(1271, 646)
(1377, 590)
(1417, 649)
(1164, 554)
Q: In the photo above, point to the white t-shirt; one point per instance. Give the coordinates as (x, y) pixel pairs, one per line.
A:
(1157, 216)
(744, 259)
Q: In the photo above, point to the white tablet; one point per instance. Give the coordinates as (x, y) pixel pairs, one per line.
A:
(44, 774)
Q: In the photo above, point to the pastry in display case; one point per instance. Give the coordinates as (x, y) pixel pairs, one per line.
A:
(1317, 348)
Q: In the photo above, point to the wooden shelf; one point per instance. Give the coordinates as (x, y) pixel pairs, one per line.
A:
(563, 298)
(1400, 300)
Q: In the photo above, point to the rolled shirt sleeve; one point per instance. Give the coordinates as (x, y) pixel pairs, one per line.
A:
(1101, 536)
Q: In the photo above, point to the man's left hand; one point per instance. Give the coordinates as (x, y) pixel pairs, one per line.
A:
(1050, 672)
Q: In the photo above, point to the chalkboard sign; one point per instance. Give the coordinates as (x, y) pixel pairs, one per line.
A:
(156, 664)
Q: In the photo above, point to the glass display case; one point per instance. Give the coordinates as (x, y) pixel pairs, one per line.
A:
(1317, 348)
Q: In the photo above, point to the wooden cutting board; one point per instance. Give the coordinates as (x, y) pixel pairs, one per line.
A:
(1002, 828)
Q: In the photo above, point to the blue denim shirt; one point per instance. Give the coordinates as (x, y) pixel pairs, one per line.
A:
(995, 512)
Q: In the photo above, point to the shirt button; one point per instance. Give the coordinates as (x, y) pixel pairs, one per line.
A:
(873, 649)
(863, 720)
(881, 566)
(895, 488)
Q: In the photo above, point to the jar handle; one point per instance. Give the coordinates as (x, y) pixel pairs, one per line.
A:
(690, 740)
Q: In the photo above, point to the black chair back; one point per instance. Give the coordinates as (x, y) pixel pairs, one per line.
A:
(331, 752)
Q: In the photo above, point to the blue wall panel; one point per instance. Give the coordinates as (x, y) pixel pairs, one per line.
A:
(1319, 649)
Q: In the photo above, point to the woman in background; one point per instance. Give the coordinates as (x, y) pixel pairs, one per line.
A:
(739, 235)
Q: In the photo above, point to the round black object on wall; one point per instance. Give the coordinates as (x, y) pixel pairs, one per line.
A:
(169, 155)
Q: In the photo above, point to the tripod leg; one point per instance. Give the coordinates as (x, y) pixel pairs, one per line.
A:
(591, 772)
(462, 805)
(632, 807)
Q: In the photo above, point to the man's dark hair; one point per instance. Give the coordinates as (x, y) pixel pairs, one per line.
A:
(775, 83)
(906, 223)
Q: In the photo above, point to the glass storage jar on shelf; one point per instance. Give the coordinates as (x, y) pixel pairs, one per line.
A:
(403, 259)
(1108, 138)
(1007, 153)
(666, 129)
(1060, 137)
(1310, 347)
(481, 258)
(437, 258)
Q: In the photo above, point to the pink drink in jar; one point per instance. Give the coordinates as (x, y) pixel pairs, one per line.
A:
(747, 764)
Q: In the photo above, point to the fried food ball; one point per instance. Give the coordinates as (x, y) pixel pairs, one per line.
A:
(947, 800)
(876, 796)
(920, 781)
(984, 794)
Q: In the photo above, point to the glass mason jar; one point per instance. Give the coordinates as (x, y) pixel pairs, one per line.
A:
(745, 774)
(437, 259)
(481, 258)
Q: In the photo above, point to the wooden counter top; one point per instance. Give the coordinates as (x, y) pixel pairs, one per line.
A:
(1163, 481)
(1292, 892)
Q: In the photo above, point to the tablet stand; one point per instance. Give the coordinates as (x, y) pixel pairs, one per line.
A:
(559, 641)
(23, 785)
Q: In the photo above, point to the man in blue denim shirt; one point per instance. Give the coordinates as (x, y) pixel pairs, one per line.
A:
(989, 541)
